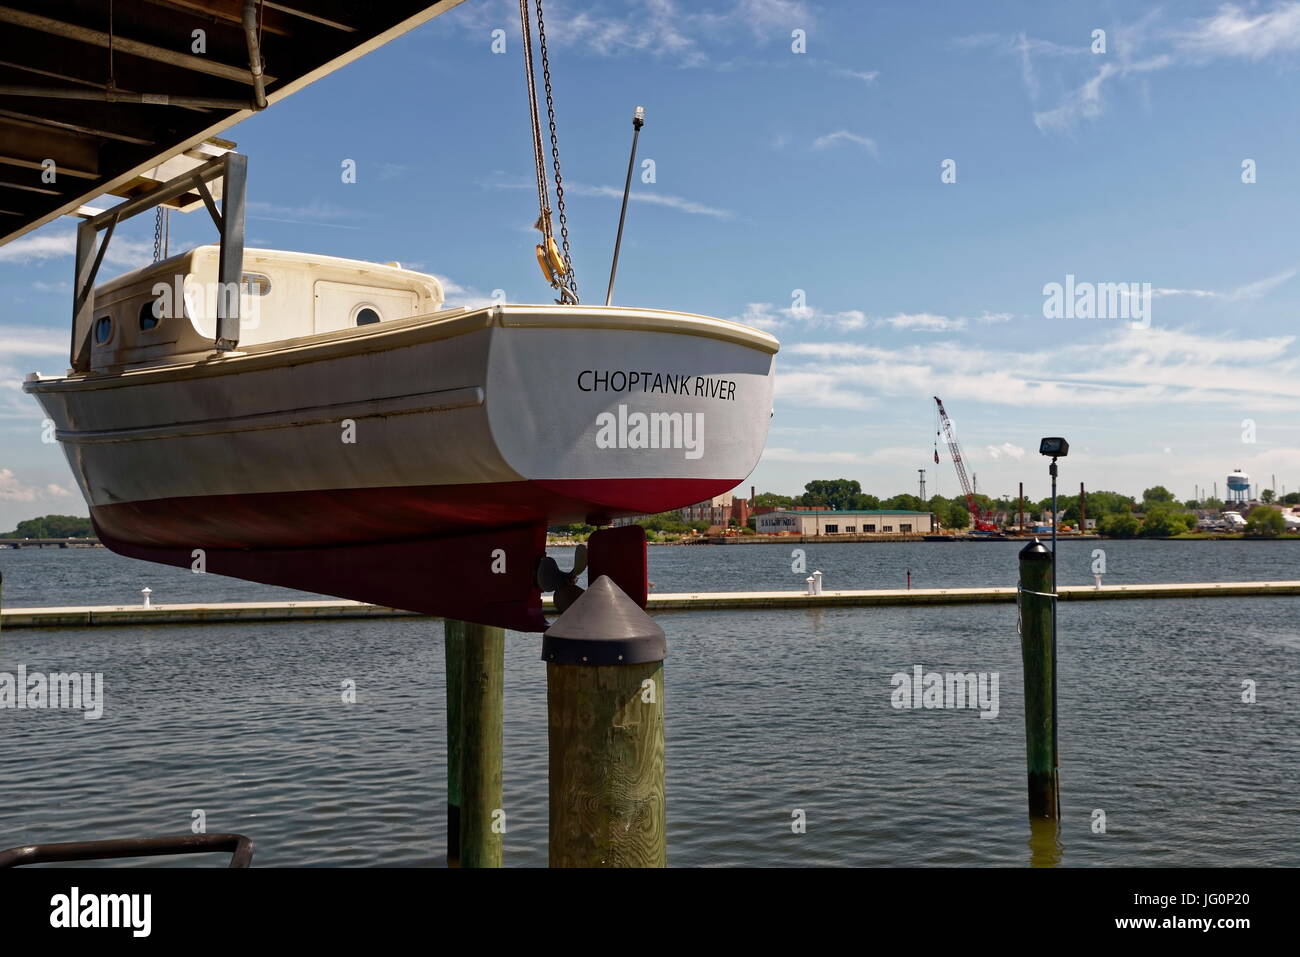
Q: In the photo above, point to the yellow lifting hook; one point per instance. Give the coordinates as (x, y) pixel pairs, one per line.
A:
(552, 263)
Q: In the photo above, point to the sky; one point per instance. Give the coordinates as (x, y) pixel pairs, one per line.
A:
(890, 188)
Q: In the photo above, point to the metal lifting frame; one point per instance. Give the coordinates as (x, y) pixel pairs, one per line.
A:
(232, 168)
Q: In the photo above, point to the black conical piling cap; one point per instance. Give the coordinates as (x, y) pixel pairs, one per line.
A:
(1035, 551)
(604, 627)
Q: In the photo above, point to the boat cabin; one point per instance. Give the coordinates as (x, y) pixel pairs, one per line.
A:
(168, 310)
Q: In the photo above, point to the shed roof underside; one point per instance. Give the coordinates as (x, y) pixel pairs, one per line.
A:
(102, 144)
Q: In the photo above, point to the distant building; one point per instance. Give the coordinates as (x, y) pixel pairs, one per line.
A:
(719, 510)
(793, 521)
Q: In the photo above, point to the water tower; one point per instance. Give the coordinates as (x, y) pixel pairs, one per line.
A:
(1238, 486)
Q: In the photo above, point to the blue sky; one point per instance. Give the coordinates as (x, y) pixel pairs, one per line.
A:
(778, 171)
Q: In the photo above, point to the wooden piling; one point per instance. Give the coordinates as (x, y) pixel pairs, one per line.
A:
(481, 727)
(604, 695)
(1038, 652)
(454, 650)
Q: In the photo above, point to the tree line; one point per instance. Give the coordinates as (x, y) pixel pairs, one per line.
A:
(52, 526)
(1157, 514)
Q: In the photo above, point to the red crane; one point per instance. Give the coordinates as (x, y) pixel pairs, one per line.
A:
(982, 520)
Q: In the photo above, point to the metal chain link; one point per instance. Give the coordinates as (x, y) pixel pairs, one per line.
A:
(539, 156)
(157, 234)
(555, 154)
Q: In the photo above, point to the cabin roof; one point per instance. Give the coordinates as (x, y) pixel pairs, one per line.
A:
(168, 267)
(60, 102)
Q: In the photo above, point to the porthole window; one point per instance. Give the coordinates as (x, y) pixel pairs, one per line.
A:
(366, 316)
(103, 329)
(149, 318)
(256, 284)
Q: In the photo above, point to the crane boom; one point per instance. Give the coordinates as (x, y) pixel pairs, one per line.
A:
(981, 521)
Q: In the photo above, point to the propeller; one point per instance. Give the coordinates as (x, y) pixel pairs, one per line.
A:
(564, 585)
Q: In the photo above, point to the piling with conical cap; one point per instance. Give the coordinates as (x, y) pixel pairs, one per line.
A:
(604, 695)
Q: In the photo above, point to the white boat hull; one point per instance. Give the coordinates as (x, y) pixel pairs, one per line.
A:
(441, 424)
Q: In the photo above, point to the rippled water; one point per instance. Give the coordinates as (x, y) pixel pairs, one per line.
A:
(766, 712)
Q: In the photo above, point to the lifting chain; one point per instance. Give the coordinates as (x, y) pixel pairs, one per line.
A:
(161, 233)
(556, 261)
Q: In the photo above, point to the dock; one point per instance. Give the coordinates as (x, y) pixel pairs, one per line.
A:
(189, 614)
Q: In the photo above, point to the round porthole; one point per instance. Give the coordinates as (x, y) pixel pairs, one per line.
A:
(103, 329)
(366, 316)
(148, 319)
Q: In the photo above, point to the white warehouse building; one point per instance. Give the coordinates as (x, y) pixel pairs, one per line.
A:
(847, 522)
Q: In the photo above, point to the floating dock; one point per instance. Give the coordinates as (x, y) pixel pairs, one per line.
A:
(188, 614)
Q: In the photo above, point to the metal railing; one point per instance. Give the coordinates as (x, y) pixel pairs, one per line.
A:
(239, 847)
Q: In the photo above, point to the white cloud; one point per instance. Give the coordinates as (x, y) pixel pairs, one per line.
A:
(1007, 449)
(463, 297)
(823, 389)
(1126, 368)
(651, 197)
(314, 213)
(765, 315)
(1086, 102)
(1262, 287)
(32, 341)
(1234, 32)
(665, 29)
(844, 136)
(866, 76)
(42, 246)
(778, 454)
(13, 490)
(1145, 46)
(1251, 290)
(925, 322)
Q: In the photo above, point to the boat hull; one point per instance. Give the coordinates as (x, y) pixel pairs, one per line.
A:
(367, 463)
(500, 417)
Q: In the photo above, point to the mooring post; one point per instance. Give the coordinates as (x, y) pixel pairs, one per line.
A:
(454, 648)
(481, 702)
(1038, 652)
(604, 696)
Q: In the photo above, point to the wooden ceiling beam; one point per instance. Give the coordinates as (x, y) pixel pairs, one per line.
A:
(232, 11)
(111, 121)
(29, 145)
(328, 13)
(98, 38)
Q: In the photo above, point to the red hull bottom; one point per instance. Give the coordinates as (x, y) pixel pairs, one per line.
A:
(308, 519)
(383, 546)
